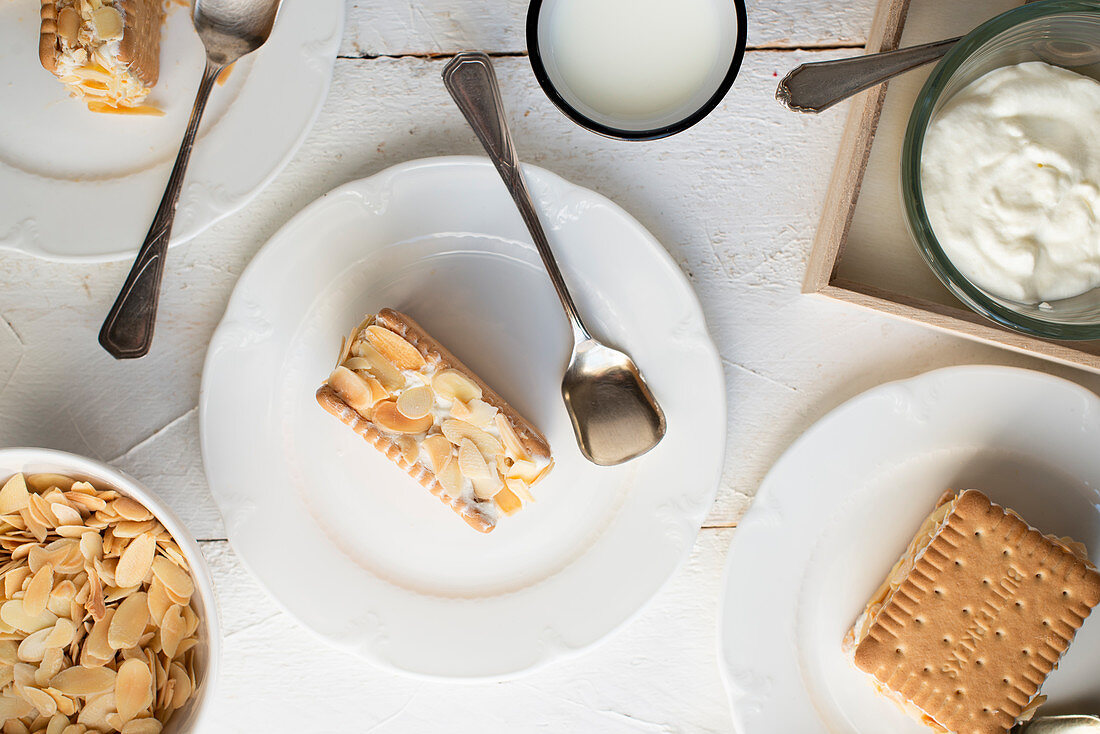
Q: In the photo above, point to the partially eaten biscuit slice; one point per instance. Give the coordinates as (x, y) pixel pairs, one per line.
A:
(107, 52)
(427, 412)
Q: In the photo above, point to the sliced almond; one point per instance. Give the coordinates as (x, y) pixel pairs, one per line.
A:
(68, 25)
(510, 438)
(33, 646)
(40, 700)
(133, 688)
(46, 481)
(130, 509)
(355, 389)
(175, 579)
(394, 348)
(477, 412)
(97, 650)
(387, 417)
(129, 622)
(507, 501)
(13, 613)
(61, 634)
(416, 402)
(182, 685)
(144, 726)
(136, 561)
(94, 713)
(523, 469)
(108, 23)
(95, 604)
(542, 474)
(83, 682)
(172, 630)
(38, 591)
(438, 449)
(456, 430)
(519, 489)
(472, 465)
(453, 385)
(13, 708)
(159, 602)
(450, 478)
(390, 377)
(14, 496)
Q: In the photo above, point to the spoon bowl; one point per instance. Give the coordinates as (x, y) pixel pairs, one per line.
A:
(609, 404)
(1078, 724)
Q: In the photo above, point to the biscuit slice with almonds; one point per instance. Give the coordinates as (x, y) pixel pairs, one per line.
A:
(414, 401)
(106, 52)
(974, 617)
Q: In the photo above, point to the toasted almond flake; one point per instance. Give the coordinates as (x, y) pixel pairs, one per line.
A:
(39, 699)
(136, 561)
(476, 412)
(130, 529)
(61, 634)
(129, 621)
(46, 481)
(355, 389)
(53, 660)
(65, 515)
(416, 402)
(450, 479)
(158, 600)
(13, 580)
(33, 646)
(523, 469)
(14, 496)
(410, 449)
(439, 451)
(542, 474)
(95, 604)
(8, 650)
(38, 591)
(519, 489)
(182, 683)
(172, 631)
(507, 501)
(142, 726)
(175, 579)
(91, 545)
(12, 708)
(472, 465)
(57, 724)
(387, 417)
(387, 374)
(394, 348)
(456, 430)
(450, 384)
(133, 688)
(97, 650)
(94, 713)
(510, 438)
(13, 613)
(130, 509)
(84, 682)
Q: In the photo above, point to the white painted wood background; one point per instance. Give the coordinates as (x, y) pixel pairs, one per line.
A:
(735, 200)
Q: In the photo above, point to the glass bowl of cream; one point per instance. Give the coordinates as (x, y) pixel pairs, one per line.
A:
(1000, 170)
(636, 69)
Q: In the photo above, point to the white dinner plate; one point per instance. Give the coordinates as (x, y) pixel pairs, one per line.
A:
(84, 186)
(343, 538)
(840, 506)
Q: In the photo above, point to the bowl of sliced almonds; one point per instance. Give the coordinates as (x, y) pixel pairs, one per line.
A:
(107, 615)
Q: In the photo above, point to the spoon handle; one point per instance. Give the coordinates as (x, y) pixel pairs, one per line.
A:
(470, 79)
(127, 331)
(820, 85)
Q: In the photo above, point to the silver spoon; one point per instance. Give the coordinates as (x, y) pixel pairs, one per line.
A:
(614, 415)
(1081, 724)
(229, 29)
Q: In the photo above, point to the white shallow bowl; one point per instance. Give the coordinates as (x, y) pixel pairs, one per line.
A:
(839, 507)
(37, 461)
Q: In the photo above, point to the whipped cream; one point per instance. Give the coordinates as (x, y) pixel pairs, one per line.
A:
(1010, 176)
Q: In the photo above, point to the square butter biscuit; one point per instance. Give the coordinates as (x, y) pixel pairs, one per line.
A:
(974, 617)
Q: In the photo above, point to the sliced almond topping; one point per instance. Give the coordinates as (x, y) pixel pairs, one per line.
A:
(68, 25)
(416, 402)
(508, 502)
(158, 600)
(390, 377)
(40, 700)
(519, 489)
(542, 474)
(133, 688)
(38, 591)
(33, 646)
(81, 681)
(456, 430)
(410, 450)
(95, 711)
(172, 630)
(97, 650)
(472, 465)
(14, 496)
(453, 385)
(108, 23)
(523, 469)
(129, 622)
(394, 348)
(387, 417)
(438, 449)
(136, 561)
(354, 389)
(510, 438)
(450, 478)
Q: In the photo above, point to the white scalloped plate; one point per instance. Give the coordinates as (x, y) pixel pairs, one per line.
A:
(365, 556)
(84, 186)
(839, 507)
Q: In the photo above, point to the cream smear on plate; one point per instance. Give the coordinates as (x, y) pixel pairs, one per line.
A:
(1010, 175)
(637, 59)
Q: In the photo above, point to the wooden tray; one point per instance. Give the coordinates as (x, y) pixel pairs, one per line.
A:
(862, 253)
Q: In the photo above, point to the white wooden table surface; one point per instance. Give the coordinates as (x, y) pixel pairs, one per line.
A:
(735, 200)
